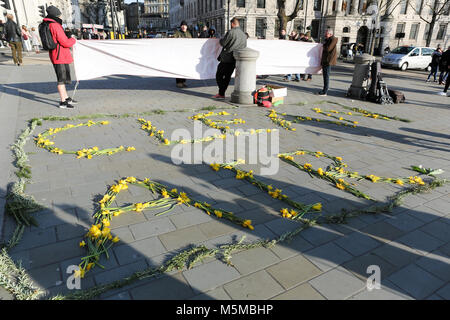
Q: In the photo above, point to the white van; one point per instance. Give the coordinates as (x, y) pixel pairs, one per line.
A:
(407, 57)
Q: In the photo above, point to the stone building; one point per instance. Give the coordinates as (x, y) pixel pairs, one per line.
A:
(374, 24)
(133, 12)
(156, 15)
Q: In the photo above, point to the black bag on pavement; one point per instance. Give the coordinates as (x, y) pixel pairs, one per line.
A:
(46, 36)
(397, 96)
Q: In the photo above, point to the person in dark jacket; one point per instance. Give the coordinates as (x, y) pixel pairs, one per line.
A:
(434, 64)
(13, 36)
(329, 58)
(61, 56)
(211, 33)
(182, 33)
(445, 63)
(306, 38)
(234, 39)
(204, 33)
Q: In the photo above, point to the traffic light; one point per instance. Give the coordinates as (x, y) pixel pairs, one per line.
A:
(42, 11)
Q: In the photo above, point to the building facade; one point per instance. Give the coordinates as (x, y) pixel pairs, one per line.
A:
(371, 23)
(75, 13)
(156, 15)
(133, 12)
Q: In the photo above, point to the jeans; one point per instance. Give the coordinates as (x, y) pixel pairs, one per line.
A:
(447, 82)
(306, 76)
(433, 72)
(223, 76)
(326, 78)
(442, 76)
(289, 76)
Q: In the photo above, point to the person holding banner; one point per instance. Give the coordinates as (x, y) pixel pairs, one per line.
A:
(234, 39)
(182, 33)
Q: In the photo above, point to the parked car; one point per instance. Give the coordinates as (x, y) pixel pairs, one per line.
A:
(408, 57)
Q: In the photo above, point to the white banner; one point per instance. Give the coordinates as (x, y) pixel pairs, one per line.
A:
(186, 58)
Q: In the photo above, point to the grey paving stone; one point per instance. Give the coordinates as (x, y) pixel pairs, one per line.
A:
(291, 248)
(397, 254)
(119, 273)
(318, 235)
(46, 277)
(181, 238)
(405, 222)
(358, 266)
(126, 219)
(210, 275)
(70, 231)
(253, 260)
(426, 214)
(215, 294)
(152, 228)
(5, 295)
(438, 229)
(145, 248)
(173, 287)
(421, 241)
(35, 238)
(217, 228)
(445, 292)
(416, 281)
(293, 271)
(434, 297)
(54, 252)
(190, 218)
(440, 204)
(302, 292)
(357, 243)
(386, 292)
(327, 256)
(282, 225)
(337, 284)
(437, 263)
(382, 231)
(256, 286)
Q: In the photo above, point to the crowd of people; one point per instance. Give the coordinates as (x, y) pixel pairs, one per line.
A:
(440, 63)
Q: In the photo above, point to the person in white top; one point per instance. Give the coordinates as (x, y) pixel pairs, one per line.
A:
(35, 40)
(26, 39)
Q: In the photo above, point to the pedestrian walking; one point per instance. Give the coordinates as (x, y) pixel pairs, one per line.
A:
(13, 36)
(35, 40)
(61, 56)
(445, 63)
(182, 33)
(434, 64)
(329, 58)
(2, 34)
(234, 39)
(26, 39)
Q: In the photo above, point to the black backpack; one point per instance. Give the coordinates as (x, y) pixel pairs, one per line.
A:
(46, 36)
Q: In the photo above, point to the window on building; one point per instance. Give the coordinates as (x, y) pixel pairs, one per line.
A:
(414, 31)
(364, 6)
(418, 7)
(403, 6)
(240, 3)
(400, 29)
(441, 32)
(344, 5)
(298, 25)
(317, 5)
(431, 6)
(261, 26)
(277, 27)
(261, 4)
(346, 30)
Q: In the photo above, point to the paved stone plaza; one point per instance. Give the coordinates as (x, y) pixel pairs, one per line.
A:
(411, 245)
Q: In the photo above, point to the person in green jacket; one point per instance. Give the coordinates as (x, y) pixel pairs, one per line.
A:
(182, 33)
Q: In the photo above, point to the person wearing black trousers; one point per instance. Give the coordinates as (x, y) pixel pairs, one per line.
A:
(234, 39)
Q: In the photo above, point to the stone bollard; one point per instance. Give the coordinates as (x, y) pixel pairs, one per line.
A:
(360, 82)
(245, 76)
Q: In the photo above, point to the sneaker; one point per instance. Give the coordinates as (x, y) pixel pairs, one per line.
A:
(218, 96)
(71, 101)
(321, 93)
(65, 105)
(428, 80)
(442, 93)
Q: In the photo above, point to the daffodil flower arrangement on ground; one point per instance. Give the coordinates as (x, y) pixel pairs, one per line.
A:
(43, 141)
(219, 124)
(99, 238)
(326, 174)
(278, 119)
(332, 114)
(273, 192)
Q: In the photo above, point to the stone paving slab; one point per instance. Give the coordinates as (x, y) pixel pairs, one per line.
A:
(327, 261)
